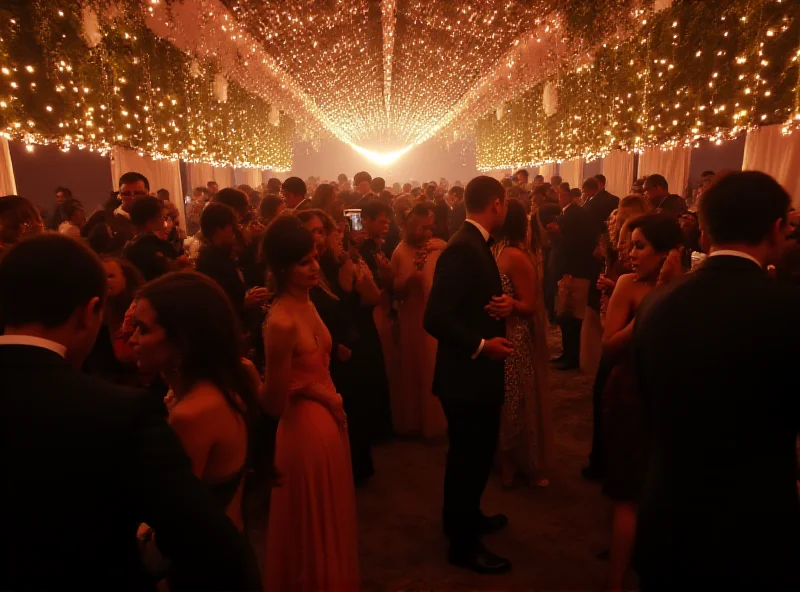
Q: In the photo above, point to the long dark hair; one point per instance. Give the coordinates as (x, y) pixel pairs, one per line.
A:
(323, 198)
(117, 306)
(515, 227)
(285, 243)
(199, 319)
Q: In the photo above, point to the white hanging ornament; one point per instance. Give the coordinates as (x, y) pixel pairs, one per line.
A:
(500, 111)
(194, 69)
(274, 118)
(550, 99)
(220, 88)
(91, 27)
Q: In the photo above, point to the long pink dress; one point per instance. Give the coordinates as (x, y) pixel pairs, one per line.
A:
(312, 541)
(415, 410)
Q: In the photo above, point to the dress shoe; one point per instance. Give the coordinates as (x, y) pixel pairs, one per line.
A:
(592, 473)
(490, 524)
(567, 366)
(480, 561)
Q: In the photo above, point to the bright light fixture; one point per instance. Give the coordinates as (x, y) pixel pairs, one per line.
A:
(381, 158)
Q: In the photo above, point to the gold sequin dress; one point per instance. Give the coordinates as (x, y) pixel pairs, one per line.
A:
(525, 427)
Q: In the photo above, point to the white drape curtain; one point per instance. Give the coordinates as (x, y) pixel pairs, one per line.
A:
(671, 163)
(162, 174)
(571, 171)
(7, 184)
(547, 171)
(618, 170)
(247, 176)
(768, 150)
(201, 173)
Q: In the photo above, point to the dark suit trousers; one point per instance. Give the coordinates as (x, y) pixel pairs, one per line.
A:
(571, 338)
(473, 431)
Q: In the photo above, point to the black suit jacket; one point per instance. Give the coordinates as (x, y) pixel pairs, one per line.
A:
(464, 282)
(574, 244)
(599, 209)
(220, 266)
(716, 355)
(83, 463)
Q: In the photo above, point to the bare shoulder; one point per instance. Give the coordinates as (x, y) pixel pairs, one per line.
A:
(436, 244)
(626, 282)
(280, 322)
(203, 402)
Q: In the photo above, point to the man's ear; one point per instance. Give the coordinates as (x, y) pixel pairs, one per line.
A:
(86, 313)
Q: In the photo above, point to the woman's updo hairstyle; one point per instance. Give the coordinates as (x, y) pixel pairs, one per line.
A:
(286, 243)
(660, 230)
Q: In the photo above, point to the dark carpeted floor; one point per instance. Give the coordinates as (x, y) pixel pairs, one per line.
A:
(553, 535)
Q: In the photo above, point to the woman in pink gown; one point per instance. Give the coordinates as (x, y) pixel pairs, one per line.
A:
(311, 535)
(415, 410)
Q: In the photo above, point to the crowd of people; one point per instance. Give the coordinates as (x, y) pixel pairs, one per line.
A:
(154, 377)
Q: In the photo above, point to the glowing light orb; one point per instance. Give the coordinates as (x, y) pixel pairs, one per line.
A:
(381, 158)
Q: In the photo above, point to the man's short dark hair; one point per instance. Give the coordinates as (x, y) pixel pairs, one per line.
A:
(575, 193)
(523, 172)
(457, 191)
(656, 181)
(216, 216)
(591, 184)
(361, 177)
(269, 206)
(295, 186)
(273, 185)
(69, 207)
(601, 177)
(707, 174)
(481, 192)
(378, 184)
(233, 198)
(564, 185)
(342, 177)
(742, 207)
(132, 177)
(375, 208)
(422, 209)
(145, 210)
(539, 177)
(44, 279)
(212, 182)
(65, 190)
(163, 192)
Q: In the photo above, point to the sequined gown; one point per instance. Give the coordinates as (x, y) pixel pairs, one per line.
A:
(525, 425)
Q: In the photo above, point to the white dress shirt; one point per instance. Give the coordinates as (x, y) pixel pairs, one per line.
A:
(31, 341)
(485, 235)
(732, 253)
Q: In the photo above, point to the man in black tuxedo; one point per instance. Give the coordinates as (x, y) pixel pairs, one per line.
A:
(716, 355)
(656, 190)
(574, 238)
(464, 313)
(84, 462)
(598, 202)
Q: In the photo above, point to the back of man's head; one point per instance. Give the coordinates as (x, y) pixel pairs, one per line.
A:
(656, 181)
(743, 208)
(295, 186)
(43, 280)
(274, 186)
(216, 216)
(481, 192)
(233, 198)
(145, 210)
(378, 184)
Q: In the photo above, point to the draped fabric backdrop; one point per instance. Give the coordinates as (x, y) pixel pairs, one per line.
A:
(767, 149)
(247, 176)
(201, 173)
(7, 184)
(671, 163)
(572, 172)
(618, 170)
(162, 174)
(547, 171)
